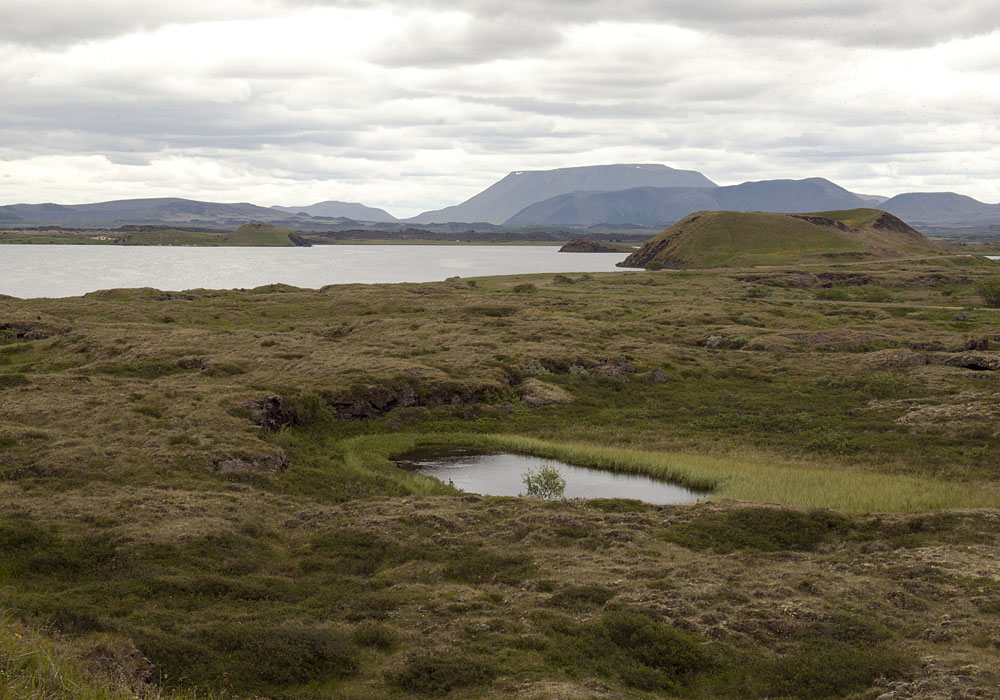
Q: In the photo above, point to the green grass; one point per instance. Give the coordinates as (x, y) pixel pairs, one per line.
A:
(818, 486)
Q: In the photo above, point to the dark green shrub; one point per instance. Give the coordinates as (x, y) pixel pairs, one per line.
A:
(989, 291)
(759, 529)
(654, 265)
(439, 674)
(832, 294)
(370, 634)
(486, 566)
(581, 597)
(526, 288)
(11, 381)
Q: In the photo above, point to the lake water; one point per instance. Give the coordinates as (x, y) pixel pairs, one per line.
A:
(503, 475)
(29, 271)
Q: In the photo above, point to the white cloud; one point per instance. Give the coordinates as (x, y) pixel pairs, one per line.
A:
(418, 106)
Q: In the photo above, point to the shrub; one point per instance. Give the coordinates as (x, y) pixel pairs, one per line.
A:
(758, 529)
(989, 291)
(654, 265)
(370, 634)
(581, 597)
(547, 482)
(10, 381)
(885, 385)
(832, 294)
(526, 288)
(486, 566)
(439, 674)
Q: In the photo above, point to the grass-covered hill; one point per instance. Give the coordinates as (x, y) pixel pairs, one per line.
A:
(196, 497)
(733, 239)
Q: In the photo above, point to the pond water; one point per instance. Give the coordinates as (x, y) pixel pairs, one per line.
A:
(29, 271)
(503, 475)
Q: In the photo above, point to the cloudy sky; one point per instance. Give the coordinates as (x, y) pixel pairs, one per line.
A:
(420, 104)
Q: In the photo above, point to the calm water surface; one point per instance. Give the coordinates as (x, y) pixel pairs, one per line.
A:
(502, 475)
(28, 271)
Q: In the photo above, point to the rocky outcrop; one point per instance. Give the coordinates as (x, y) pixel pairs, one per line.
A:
(246, 463)
(25, 331)
(270, 412)
(373, 401)
(971, 360)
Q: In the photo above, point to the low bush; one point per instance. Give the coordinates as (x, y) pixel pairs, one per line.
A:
(759, 529)
(989, 291)
(581, 597)
(439, 674)
(486, 566)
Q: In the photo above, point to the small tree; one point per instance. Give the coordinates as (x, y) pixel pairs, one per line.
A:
(989, 290)
(547, 482)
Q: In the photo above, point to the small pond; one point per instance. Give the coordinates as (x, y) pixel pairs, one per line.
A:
(503, 475)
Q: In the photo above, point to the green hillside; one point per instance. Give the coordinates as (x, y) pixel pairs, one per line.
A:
(172, 237)
(259, 235)
(728, 239)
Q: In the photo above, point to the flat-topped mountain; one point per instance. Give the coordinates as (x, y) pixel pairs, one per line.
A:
(342, 210)
(502, 200)
(659, 206)
(728, 239)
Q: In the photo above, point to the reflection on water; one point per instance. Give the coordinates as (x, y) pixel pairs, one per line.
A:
(502, 475)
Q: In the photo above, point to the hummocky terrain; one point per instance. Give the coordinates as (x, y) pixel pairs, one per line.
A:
(727, 239)
(196, 497)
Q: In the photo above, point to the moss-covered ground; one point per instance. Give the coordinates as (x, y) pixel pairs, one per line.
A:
(162, 534)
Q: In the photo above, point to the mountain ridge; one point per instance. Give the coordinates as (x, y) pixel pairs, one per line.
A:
(521, 188)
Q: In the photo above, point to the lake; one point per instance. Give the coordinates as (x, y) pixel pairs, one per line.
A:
(503, 475)
(29, 271)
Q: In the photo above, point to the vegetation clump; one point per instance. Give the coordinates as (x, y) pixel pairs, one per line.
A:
(759, 529)
(989, 291)
(545, 482)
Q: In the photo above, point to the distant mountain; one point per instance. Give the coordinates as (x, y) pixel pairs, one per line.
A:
(945, 209)
(729, 238)
(665, 205)
(502, 200)
(346, 210)
(168, 210)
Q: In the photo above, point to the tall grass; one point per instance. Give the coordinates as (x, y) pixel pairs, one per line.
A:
(31, 668)
(726, 477)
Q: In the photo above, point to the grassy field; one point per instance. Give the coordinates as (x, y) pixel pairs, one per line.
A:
(197, 497)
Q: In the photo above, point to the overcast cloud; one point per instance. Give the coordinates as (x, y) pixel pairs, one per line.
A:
(418, 105)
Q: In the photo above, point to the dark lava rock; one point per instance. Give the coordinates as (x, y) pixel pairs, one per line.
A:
(270, 412)
(975, 361)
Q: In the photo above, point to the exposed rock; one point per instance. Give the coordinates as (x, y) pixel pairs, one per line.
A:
(981, 343)
(270, 412)
(971, 360)
(244, 463)
(656, 376)
(373, 401)
(843, 279)
(194, 363)
(6, 458)
(537, 393)
(27, 331)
